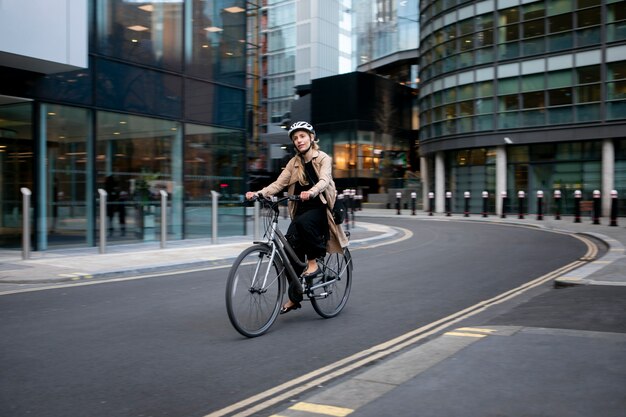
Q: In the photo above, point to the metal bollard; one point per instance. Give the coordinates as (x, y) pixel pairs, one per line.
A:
(577, 196)
(346, 200)
(467, 196)
(485, 202)
(163, 217)
(597, 205)
(431, 203)
(398, 197)
(214, 208)
(504, 197)
(103, 220)
(557, 201)
(614, 202)
(26, 194)
(520, 204)
(448, 203)
(352, 205)
(413, 202)
(539, 205)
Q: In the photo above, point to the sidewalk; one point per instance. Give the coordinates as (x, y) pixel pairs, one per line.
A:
(61, 265)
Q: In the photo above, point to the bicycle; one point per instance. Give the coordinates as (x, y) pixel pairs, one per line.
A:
(258, 279)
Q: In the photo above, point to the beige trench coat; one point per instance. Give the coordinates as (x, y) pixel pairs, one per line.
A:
(325, 188)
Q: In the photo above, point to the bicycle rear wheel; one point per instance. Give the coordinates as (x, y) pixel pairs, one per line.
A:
(329, 299)
(254, 291)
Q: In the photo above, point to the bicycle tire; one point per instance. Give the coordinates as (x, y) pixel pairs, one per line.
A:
(329, 300)
(252, 304)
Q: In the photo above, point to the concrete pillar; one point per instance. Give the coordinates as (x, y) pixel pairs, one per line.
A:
(608, 175)
(440, 182)
(500, 177)
(425, 172)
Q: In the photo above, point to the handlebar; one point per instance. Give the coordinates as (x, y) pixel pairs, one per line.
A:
(273, 200)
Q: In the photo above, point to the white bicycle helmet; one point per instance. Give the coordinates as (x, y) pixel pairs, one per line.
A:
(301, 126)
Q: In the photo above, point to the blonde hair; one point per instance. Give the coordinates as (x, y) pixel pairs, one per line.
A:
(303, 179)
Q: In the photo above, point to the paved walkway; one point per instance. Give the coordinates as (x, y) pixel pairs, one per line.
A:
(568, 366)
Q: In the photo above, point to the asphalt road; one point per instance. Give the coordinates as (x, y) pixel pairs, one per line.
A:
(164, 347)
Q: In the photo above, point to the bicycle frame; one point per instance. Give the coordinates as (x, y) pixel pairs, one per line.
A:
(279, 244)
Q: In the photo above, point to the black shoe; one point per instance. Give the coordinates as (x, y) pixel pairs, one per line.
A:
(309, 277)
(288, 309)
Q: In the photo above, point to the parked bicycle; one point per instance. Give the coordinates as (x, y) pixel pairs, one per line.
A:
(261, 274)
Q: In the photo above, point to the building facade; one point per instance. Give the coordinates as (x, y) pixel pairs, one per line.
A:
(523, 95)
(131, 97)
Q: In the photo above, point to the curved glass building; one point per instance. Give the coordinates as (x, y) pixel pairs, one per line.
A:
(520, 95)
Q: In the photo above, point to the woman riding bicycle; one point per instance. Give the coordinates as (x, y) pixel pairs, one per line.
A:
(312, 231)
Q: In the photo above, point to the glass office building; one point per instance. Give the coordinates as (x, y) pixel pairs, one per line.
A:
(520, 95)
(158, 105)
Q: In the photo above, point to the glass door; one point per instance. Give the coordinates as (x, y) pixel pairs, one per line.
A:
(16, 167)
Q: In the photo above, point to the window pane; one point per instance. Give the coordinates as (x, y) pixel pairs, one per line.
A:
(216, 43)
(129, 30)
(203, 106)
(508, 120)
(484, 122)
(534, 10)
(484, 21)
(16, 168)
(589, 74)
(588, 113)
(466, 92)
(134, 160)
(560, 42)
(559, 6)
(466, 108)
(587, 3)
(129, 88)
(616, 70)
(560, 78)
(533, 28)
(616, 32)
(508, 33)
(508, 85)
(485, 89)
(533, 82)
(560, 23)
(616, 110)
(533, 118)
(589, 36)
(616, 90)
(588, 93)
(561, 115)
(214, 161)
(510, 102)
(560, 96)
(67, 132)
(533, 100)
(588, 17)
(534, 46)
(484, 105)
(466, 26)
(615, 12)
(509, 50)
(509, 16)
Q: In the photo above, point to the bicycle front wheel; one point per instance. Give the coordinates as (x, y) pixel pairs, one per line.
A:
(330, 295)
(254, 291)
